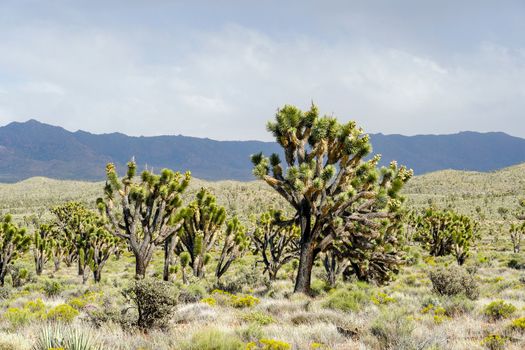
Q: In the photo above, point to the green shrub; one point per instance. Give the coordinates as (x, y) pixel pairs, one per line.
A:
(346, 300)
(32, 310)
(18, 317)
(268, 344)
(518, 324)
(454, 281)
(62, 313)
(258, 317)
(52, 288)
(154, 301)
(382, 299)
(393, 329)
(212, 339)
(499, 309)
(494, 342)
(192, 293)
(243, 301)
(457, 305)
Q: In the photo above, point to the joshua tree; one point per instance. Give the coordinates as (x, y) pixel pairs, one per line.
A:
(102, 244)
(445, 232)
(74, 220)
(13, 242)
(144, 213)
(42, 245)
(203, 221)
(326, 178)
(516, 233)
(276, 240)
(235, 244)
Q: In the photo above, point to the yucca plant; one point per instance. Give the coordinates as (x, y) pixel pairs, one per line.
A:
(57, 336)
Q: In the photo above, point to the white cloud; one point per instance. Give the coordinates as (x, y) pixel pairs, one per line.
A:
(226, 83)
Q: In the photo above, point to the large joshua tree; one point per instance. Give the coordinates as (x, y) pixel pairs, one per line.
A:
(145, 213)
(326, 177)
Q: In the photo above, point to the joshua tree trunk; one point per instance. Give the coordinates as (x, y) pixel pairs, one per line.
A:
(56, 262)
(169, 246)
(307, 256)
(97, 275)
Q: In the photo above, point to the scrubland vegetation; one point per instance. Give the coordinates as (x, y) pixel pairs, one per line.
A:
(332, 253)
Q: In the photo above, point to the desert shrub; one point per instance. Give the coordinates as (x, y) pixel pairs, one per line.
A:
(494, 342)
(457, 305)
(268, 344)
(382, 299)
(154, 301)
(5, 293)
(258, 317)
(244, 301)
(518, 324)
(52, 288)
(192, 293)
(250, 333)
(58, 337)
(499, 309)
(225, 298)
(515, 264)
(19, 275)
(454, 281)
(17, 317)
(393, 329)
(346, 300)
(32, 310)
(213, 339)
(82, 301)
(209, 300)
(62, 313)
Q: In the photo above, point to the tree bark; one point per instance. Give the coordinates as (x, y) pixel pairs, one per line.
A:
(97, 275)
(304, 272)
(140, 267)
(307, 256)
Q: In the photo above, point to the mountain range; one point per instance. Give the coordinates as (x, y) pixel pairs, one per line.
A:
(36, 149)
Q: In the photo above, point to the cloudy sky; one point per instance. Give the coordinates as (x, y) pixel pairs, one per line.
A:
(221, 68)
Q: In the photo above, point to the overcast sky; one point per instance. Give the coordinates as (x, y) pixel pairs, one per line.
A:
(220, 69)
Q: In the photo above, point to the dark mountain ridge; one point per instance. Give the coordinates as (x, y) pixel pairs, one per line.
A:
(35, 149)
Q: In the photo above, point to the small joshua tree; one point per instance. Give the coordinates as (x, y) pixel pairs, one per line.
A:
(203, 221)
(325, 177)
(234, 245)
(74, 220)
(42, 245)
(276, 240)
(13, 242)
(516, 234)
(144, 213)
(102, 244)
(445, 232)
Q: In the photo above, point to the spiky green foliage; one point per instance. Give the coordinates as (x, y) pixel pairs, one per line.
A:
(101, 245)
(43, 241)
(446, 232)
(203, 221)
(145, 213)
(275, 240)
(327, 178)
(14, 241)
(234, 245)
(74, 220)
(372, 252)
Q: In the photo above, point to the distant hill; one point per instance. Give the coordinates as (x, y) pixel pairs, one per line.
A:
(36, 149)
